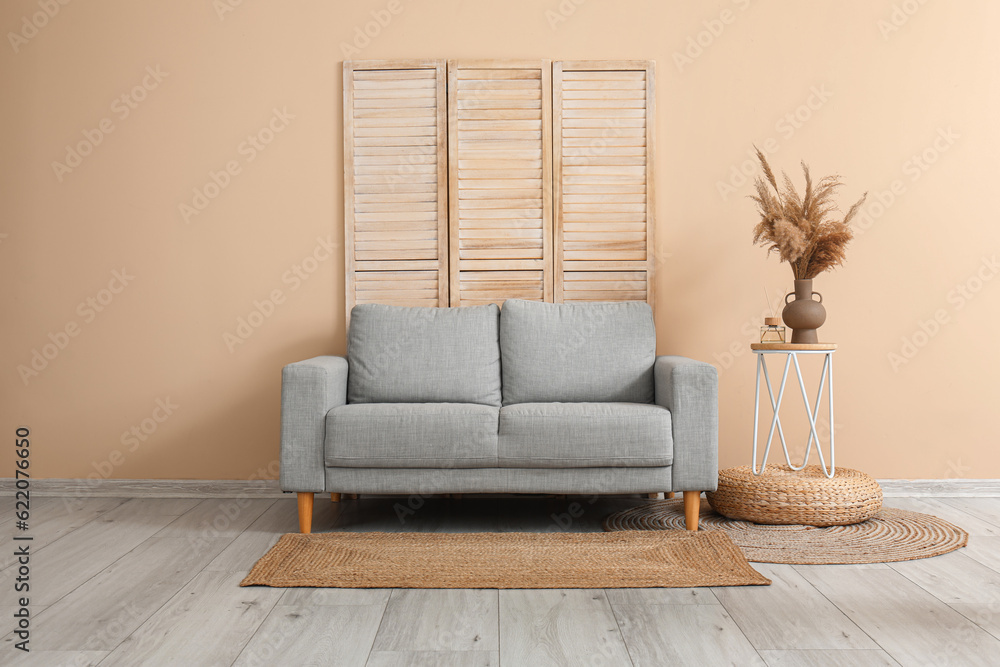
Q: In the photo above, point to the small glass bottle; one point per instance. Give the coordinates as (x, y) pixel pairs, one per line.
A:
(772, 331)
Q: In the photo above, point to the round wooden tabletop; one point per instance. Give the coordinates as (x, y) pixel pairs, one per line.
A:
(793, 347)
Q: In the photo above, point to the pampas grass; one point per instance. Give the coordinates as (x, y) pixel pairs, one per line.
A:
(802, 229)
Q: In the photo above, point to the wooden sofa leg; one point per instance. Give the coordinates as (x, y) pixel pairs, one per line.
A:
(305, 512)
(692, 507)
(669, 495)
(335, 497)
(653, 496)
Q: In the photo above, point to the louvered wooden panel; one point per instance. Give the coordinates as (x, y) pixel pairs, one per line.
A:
(604, 286)
(395, 182)
(398, 288)
(603, 115)
(481, 287)
(499, 146)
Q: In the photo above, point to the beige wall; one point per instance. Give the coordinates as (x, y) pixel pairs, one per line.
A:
(884, 86)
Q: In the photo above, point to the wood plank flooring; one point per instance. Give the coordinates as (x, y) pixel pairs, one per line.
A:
(143, 581)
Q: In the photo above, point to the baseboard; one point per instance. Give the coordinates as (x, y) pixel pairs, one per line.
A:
(149, 488)
(954, 488)
(268, 488)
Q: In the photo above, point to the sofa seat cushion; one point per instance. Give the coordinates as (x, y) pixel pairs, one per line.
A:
(398, 354)
(584, 435)
(585, 352)
(412, 435)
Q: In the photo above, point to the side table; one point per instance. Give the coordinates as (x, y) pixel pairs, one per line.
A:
(792, 351)
(812, 495)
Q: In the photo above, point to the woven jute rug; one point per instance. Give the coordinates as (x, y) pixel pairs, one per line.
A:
(889, 536)
(630, 559)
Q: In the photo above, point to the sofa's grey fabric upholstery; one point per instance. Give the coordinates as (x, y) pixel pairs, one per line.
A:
(424, 355)
(584, 435)
(690, 390)
(309, 389)
(412, 435)
(421, 481)
(424, 413)
(593, 352)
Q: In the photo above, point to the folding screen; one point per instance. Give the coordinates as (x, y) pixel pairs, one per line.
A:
(395, 183)
(478, 181)
(603, 180)
(499, 151)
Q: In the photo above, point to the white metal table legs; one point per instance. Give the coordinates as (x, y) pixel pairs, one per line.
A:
(812, 411)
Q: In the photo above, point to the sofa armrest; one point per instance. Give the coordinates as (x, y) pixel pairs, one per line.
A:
(690, 390)
(309, 390)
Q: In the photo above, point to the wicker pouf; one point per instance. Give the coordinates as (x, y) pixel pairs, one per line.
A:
(806, 497)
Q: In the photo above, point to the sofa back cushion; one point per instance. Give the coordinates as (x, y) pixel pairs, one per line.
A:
(573, 353)
(397, 354)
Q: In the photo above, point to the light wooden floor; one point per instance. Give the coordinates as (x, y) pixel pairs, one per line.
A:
(155, 582)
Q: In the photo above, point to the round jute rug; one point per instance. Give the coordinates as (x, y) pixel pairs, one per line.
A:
(889, 536)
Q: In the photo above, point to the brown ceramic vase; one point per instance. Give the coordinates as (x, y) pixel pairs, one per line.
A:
(804, 315)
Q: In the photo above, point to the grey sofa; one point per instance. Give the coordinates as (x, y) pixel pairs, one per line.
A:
(533, 398)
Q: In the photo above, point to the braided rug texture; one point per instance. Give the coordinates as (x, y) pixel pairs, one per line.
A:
(631, 559)
(889, 536)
